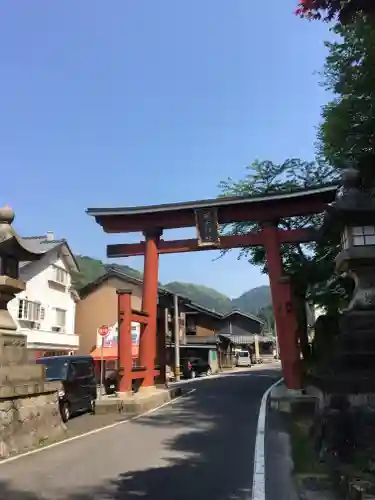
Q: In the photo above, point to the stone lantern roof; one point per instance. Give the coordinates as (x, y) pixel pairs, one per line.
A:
(11, 243)
(353, 205)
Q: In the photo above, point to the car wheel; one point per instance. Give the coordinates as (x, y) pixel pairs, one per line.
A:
(193, 374)
(208, 372)
(65, 411)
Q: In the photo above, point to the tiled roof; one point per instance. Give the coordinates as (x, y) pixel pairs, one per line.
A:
(41, 243)
(38, 244)
(244, 314)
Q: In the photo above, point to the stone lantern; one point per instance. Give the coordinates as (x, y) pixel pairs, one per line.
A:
(352, 214)
(29, 404)
(13, 250)
(352, 217)
(346, 378)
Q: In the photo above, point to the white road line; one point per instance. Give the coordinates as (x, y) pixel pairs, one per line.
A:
(94, 431)
(259, 472)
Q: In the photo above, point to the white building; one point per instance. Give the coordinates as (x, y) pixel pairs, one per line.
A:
(45, 310)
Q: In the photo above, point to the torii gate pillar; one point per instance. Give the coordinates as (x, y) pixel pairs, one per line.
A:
(150, 304)
(286, 322)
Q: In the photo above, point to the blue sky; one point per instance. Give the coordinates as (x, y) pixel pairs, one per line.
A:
(135, 102)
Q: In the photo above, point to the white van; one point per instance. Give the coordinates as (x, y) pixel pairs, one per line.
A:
(243, 358)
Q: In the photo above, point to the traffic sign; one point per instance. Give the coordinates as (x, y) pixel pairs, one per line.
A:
(104, 331)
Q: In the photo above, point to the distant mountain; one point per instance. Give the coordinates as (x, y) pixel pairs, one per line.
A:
(251, 301)
(203, 295)
(91, 269)
(254, 299)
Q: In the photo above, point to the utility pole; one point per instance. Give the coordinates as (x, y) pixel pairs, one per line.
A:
(256, 347)
(277, 343)
(166, 322)
(176, 323)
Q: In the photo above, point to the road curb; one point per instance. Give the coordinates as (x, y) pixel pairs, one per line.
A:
(259, 471)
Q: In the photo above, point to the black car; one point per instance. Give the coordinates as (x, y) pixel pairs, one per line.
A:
(193, 367)
(78, 392)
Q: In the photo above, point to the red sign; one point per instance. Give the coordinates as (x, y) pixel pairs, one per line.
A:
(104, 331)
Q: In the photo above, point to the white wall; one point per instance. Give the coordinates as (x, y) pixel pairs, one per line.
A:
(40, 289)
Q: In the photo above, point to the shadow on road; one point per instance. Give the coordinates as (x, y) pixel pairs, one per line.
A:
(208, 456)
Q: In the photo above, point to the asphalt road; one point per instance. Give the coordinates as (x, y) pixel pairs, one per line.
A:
(199, 447)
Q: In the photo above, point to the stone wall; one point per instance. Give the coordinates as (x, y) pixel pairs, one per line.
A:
(29, 408)
(30, 421)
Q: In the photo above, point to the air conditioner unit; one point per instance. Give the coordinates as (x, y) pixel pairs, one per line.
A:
(57, 329)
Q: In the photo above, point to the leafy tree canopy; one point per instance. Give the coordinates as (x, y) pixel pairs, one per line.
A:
(344, 10)
(347, 133)
(311, 265)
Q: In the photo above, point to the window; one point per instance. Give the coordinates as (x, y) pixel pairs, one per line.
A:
(363, 235)
(83, 369)
(190, 325)
(29, 310)
(56, 369)
(60, 275)
(243, 354)
(59, 320)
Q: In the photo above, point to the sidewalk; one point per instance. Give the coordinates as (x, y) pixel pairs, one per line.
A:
(280, 484)
(281, 481)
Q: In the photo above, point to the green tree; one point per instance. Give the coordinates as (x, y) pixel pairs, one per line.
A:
(266, 314)
(310, 265)
(347, 132)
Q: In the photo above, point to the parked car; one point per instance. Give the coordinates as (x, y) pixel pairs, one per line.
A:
(193, 367)
(243, 358)
(76, 373)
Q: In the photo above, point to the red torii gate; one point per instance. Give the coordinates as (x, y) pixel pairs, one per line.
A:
(206, 216)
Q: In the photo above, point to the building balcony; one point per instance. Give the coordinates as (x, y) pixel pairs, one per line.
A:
(43, 339)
